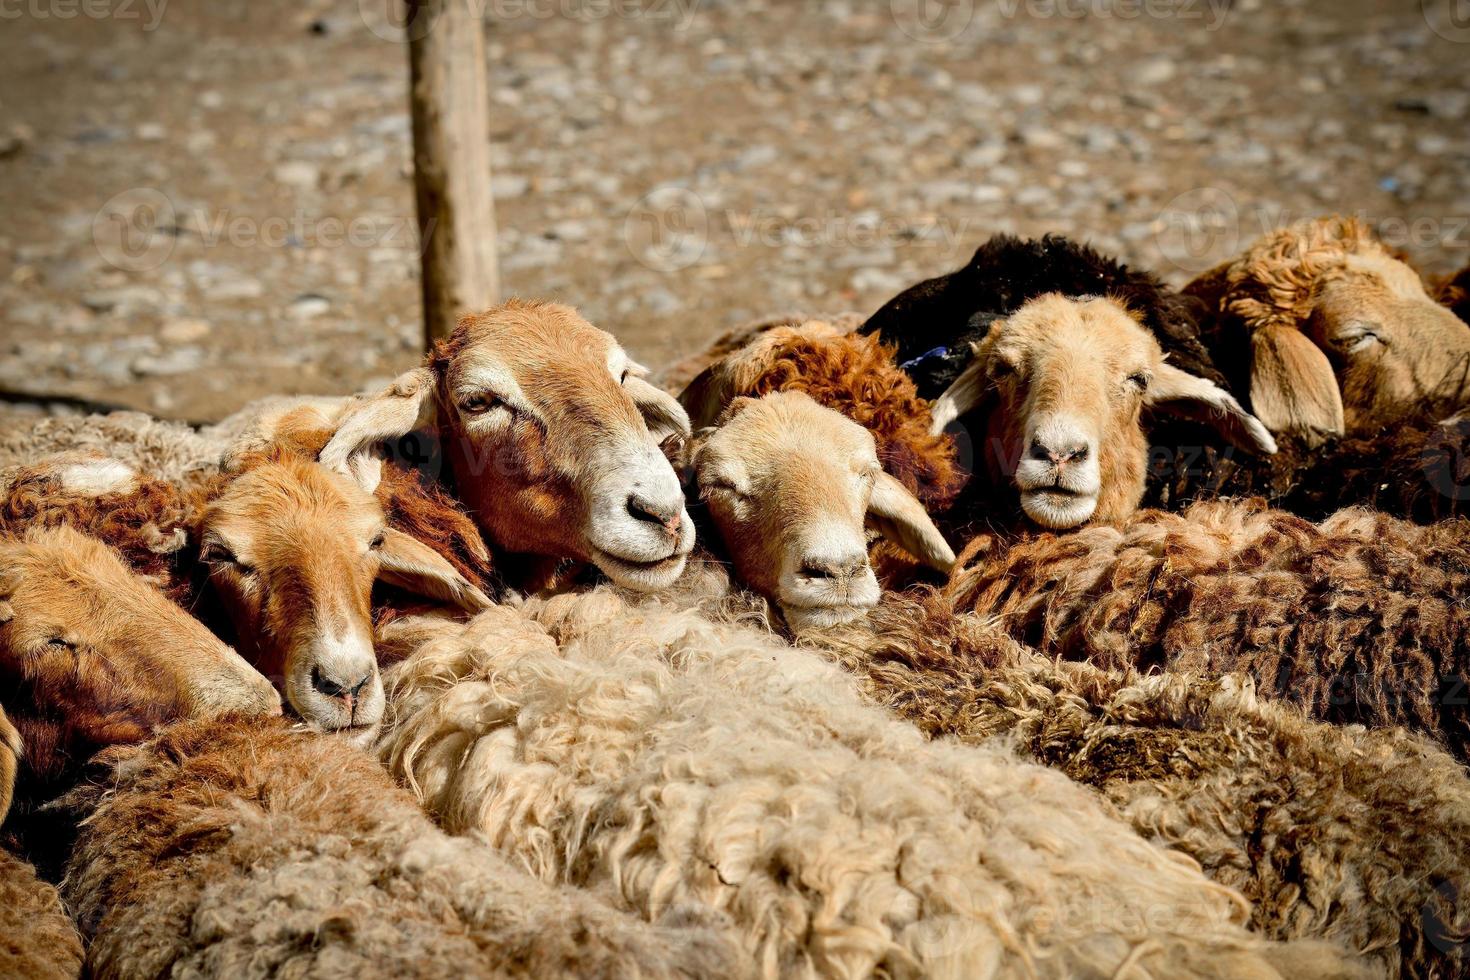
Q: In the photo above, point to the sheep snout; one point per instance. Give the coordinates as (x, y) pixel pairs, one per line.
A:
(336, 683)
(827, 579)
(1058, 475)
(640, 533)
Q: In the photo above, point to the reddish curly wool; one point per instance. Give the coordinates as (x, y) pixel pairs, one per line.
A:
(1361, 618)
(1331, 832)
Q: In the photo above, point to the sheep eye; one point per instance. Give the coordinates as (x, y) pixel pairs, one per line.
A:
(1355, 341)
(726, 487)
(1139, 380)
(377, 542)
(623, 378)
(479, 404)
(218, 554)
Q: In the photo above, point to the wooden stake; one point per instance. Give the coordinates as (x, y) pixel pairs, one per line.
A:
(451, 160)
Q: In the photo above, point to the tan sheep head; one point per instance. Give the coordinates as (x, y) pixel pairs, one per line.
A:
(293, 549)
(792, 488)
(93, 655)
(553, 436)
(1068, 381)
(1344, 337)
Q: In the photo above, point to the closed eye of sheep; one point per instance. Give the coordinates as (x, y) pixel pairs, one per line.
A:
(551, 437)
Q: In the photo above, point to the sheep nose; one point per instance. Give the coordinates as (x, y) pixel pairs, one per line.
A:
(667, 516)
(837, 570)
(1072, 452)
(348, 693)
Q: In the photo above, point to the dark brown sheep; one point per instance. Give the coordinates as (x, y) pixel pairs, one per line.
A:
(1331, 832)
(1361, 618)
(37, 939)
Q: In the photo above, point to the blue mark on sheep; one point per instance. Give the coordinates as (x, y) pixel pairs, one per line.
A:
(936, 352)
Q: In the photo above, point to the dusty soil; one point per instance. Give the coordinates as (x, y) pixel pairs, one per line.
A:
(202, 201)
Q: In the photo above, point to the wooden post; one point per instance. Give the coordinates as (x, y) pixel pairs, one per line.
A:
(451, 161)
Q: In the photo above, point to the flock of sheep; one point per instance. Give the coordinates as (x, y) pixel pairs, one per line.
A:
(1047, 623)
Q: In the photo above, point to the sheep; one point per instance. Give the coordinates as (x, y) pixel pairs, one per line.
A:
(1330, 333)
(647, 752)
(172, 450)
(852, 374)
(809, 553)
(77, 673)
(1361, 618)
(280, 551)
(1332, 833)
(677, 376)
(37, 939)
(551, 436)
(241, 848)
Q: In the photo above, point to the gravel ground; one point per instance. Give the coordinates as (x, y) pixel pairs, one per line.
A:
(205, 201)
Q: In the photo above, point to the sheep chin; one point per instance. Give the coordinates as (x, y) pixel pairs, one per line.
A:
(1058, 511)
(802, 618)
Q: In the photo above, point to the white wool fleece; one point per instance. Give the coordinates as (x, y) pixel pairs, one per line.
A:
(650, 754)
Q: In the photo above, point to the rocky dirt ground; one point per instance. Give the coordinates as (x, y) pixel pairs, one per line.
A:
(202, 201)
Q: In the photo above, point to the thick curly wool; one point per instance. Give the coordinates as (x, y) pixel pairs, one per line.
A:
(653, 754)
(850, 374)
(676, 377)
(37, 939)
(1361, 618)
(241, 849)
(1417, 469)
(169, 450)
(1333, 833)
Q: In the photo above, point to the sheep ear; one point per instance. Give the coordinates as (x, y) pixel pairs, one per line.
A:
(405, 405)
(10, 755)
(1180, 393)
(661, 411)
(410, 564)
(962, 395)
(900, 518)
(707, 395)
(1293, 387)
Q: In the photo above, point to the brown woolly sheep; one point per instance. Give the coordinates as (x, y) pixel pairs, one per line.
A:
(551, 437)
(79, 673)
(1361, 618)
(1334, 833)
(1330, 333)
(285, 551)
(792, 490)
(240, 848)
(665, 758)
(849, 373)
(37, 939)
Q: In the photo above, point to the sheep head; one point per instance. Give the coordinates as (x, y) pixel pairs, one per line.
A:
(1066, 383)
(294, 549)
(92, 655)
(793, 488)
(553, 437)
(1344, 338)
